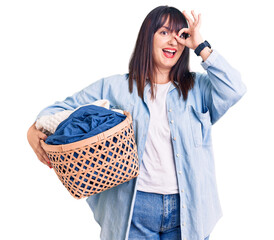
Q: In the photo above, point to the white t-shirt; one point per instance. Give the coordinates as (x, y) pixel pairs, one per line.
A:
(157, 172)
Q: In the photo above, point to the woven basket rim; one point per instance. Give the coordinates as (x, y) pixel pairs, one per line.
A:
(87, 141)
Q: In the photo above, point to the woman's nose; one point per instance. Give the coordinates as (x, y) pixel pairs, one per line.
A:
(172, 40)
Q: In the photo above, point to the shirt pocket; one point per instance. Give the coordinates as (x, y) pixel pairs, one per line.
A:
(200, 127)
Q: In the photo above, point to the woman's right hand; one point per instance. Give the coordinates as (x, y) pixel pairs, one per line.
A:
(34, 136)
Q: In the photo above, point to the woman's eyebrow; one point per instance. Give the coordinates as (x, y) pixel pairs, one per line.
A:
(168, 28)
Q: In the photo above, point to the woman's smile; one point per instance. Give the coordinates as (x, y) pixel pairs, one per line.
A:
(169, 52)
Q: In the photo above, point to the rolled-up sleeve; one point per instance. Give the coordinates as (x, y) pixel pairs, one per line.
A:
(221, 87)
(88, 95)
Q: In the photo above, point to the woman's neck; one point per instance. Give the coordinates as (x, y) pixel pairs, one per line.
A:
(161, 76)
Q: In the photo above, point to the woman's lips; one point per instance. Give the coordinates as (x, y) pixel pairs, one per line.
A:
(169, 52)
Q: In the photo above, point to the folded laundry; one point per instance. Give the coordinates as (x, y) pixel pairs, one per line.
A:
(85, 122)
(48, 123)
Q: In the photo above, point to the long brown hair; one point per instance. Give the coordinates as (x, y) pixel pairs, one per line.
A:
(141, 65)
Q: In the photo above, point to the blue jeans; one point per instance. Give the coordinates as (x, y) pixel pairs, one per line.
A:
(156, 217)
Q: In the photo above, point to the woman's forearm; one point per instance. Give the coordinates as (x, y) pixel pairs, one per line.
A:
(205, 53)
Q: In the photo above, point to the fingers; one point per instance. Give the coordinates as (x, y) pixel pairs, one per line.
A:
(180, 40)
(183, 34)
(42, 156)
(34, 137)
(183, 30)
(190, 21)
(197, 19)
(194, 15)
(43, 159)
(42, 135)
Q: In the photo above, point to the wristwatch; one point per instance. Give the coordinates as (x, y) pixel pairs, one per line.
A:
(201, 47)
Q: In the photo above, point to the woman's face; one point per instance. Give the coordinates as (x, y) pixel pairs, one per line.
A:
(166, 49)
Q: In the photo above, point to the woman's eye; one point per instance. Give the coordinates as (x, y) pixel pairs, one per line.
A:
(164, 33)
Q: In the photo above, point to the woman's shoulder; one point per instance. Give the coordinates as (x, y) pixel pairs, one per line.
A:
(116, 78)
(116, 84)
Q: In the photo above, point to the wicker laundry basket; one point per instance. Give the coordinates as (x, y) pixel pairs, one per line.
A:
(98, 163)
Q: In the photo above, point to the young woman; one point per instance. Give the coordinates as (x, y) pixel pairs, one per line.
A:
(175, 195)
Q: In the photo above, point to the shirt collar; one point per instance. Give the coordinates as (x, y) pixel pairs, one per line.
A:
(147, 88)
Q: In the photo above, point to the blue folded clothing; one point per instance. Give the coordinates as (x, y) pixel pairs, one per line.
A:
(85, 122)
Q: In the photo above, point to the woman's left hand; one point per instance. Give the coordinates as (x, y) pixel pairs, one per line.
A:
(195, 37)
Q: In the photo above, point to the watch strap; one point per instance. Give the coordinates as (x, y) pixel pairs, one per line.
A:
(201, 47)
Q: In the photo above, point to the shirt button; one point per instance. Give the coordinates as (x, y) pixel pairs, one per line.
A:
(184, 206)
(170, 110)
(177, 155)
(180, 172)
(182, 190)
(174, 138)
(183, 224)
(171, 121)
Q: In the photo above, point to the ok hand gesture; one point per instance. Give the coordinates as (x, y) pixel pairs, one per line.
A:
(195, 37)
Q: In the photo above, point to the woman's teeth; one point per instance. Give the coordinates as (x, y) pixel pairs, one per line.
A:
(167, 50)
(169, 53)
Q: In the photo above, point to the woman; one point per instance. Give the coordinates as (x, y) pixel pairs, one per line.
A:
(175, 195)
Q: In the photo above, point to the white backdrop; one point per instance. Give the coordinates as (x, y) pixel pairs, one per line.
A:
(51, 49)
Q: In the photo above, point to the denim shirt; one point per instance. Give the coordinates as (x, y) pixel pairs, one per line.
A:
(190, 123)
